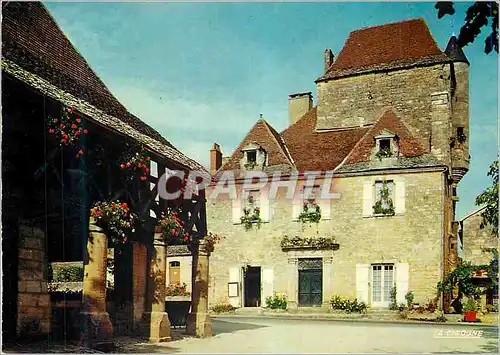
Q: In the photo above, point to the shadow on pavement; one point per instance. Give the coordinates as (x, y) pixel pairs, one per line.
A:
(220, 326)
(492, 335)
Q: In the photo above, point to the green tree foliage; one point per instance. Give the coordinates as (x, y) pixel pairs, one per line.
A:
(480, 14)
(489, 197)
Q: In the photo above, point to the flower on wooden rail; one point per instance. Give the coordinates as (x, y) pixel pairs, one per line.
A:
(310, 212)
(251, 216)
(177, 290)
(68, 129)
(115, 218)
(136, 163)
(172, 227)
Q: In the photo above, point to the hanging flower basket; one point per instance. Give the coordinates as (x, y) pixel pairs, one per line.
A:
(251, 216)
(311, 213)
(116, 220)
(68, 129)
(136, 164)
(172, 228)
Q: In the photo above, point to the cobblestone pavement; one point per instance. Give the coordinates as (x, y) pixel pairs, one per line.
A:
(246, 335)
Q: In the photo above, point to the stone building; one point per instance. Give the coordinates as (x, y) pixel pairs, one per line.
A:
(476, 243)
(390, 130)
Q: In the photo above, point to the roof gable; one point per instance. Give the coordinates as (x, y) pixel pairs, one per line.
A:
(264, 136)
(388, 123)
(32, 39)
(318, 151)
(392, 45)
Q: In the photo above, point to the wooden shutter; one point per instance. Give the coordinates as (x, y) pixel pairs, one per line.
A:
(236, 210)
(399, 196)
(264, 208)
(367, 199)
(267, 284)
(362, 279)
(325, 206)
(296, 208)
(402, 280)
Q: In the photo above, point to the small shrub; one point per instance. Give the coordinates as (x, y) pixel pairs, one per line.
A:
(431, 306)
(401, 307)
(409, 298)
(470, 305)
(223, 308)
(492, 308)
(350, 306)
(394, 304)
(69, 273)
(276, 302)
(441, 318)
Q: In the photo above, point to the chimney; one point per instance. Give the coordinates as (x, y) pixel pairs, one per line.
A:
(298, 105)
(215, 158)
(328, 58)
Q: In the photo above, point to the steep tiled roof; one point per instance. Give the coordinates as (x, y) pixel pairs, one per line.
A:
(36, 51)
(408, 145)
(389, 46)
(266, 137)
(314, 151)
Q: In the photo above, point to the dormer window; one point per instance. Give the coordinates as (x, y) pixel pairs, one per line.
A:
(253, 156)
(385, 145)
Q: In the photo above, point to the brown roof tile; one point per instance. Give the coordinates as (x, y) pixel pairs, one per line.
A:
(389, 46)
(408, 145)
(318, 151)
(32, 39)
(265, 136)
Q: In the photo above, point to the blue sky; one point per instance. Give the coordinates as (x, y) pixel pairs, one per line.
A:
(201, 73)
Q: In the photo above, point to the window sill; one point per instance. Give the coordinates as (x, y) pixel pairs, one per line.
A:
(383, 215)
(254, 222)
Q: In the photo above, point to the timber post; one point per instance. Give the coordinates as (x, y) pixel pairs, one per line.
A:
(159, 324)
(199, 323)
(97, 327)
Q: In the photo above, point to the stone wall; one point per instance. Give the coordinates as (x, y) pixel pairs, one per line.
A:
(477, 243)
(358, 100)
(34, 306)
(414, 237)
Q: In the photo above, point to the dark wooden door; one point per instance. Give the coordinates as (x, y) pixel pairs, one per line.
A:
(252, 287)
(310, 287)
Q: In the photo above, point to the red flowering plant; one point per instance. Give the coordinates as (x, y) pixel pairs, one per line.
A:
(116, 219)
(172, 227)
(136, 163)
(68, 129)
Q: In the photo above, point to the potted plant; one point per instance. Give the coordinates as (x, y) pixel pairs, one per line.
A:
(470, 307)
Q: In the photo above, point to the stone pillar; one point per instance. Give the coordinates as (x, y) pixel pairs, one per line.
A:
(159, 324)
(292, 274)
(97, 327)
(33, 300)
(139, 284)
(199, 323)
(327, 282)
